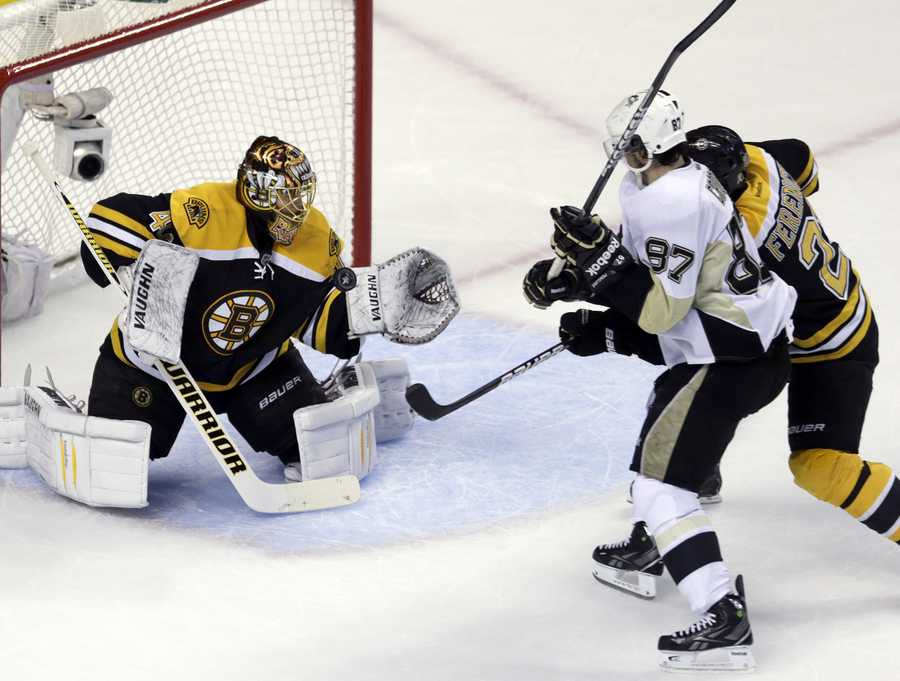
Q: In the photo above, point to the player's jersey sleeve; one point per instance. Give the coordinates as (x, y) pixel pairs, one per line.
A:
(326, 329)
(121, 225)
(797, 158)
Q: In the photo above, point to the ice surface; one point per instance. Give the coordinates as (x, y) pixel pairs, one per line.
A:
(486, 114)
(554, 438)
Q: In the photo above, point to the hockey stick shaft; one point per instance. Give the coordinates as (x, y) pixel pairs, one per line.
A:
(420, 399)
(258, 495)
(639, 114)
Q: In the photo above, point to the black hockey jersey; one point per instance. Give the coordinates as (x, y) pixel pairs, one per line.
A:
(833, 313)
(250, 296)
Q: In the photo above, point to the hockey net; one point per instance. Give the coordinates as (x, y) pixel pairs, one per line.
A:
(193, 83)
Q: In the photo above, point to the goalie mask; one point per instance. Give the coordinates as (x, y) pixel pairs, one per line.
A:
(277, 179)
(722, 151)
(661, 129)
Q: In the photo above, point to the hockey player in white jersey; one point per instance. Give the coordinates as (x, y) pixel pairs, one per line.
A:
(685, 288)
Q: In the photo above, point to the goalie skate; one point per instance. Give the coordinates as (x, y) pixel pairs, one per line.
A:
(631, 565)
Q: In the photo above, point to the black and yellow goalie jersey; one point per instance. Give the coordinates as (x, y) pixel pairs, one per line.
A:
(833, 313)
(250, 296)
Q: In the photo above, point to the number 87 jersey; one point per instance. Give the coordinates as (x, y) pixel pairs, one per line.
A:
(833, 312)
(703, 289)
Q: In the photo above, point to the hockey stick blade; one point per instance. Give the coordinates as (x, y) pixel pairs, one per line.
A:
(423, 403)
(261, 496)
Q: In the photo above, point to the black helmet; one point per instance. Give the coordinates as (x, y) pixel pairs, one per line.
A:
(721, 150)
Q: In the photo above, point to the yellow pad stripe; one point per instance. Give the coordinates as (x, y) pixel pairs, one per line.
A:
(755, 208)
(880, 477)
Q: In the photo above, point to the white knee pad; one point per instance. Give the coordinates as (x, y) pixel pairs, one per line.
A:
(97, 461)
(338, 437)
(393, 415)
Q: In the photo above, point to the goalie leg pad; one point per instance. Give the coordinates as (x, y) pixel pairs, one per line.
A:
(338, 438)
(97, 461)
(12, 428)
(159, 292)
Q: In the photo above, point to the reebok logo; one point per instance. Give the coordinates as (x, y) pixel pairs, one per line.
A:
(603, 261)
(142, 294)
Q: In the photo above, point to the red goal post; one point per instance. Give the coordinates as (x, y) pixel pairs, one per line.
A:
(193, 83)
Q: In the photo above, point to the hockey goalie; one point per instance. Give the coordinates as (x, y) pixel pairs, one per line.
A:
(225, 277)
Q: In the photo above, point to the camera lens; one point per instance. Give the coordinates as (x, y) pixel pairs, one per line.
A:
(88, 161)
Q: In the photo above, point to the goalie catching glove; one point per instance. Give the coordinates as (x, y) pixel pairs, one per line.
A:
(589, 246)
(408, 299)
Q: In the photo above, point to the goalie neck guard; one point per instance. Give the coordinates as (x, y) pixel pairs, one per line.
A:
(276, 180)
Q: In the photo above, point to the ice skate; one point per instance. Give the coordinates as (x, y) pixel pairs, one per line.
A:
(718, 642)
(632, 564)
(710, 490)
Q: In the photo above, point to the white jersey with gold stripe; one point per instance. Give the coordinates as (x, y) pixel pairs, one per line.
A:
(710, 299)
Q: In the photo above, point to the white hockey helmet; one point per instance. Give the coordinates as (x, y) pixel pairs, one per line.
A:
(661, 128)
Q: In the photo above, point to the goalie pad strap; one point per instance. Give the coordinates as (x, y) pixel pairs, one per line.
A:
(162, 280)
(338, 438)
(97, 461)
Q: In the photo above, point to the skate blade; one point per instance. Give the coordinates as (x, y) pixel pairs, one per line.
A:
(640, 584)
(734, 659)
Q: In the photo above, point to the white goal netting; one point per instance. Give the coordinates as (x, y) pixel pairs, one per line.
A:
(185, 105)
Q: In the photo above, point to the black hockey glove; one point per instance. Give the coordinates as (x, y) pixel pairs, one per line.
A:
(589, 246)
(588, 332)
(541, 293)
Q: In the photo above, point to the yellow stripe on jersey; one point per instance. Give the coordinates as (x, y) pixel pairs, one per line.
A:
(826, 331)
(753, 204)
(812, 186)
(237, 378)
(121, 220)
(116, 340)
(807, 173)
(116, 247)
(846, 348)
(321, 333)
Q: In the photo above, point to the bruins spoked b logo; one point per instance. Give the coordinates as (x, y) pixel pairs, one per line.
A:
(235, 318)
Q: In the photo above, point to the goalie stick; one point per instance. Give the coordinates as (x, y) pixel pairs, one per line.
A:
(420, 399)
(640, 112)
(261, 496)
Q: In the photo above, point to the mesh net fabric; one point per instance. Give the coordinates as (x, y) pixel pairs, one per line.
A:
(187, 105)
